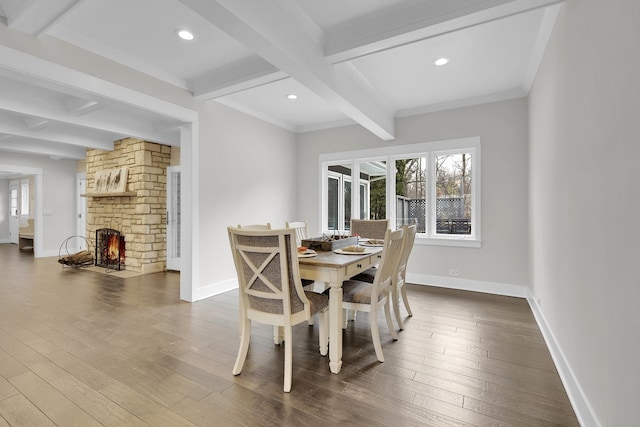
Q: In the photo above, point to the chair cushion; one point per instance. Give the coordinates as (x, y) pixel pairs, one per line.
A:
(356, 292)
(318, 301)
(366, 276)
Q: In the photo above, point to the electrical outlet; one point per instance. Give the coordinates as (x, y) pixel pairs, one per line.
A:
(454, 272)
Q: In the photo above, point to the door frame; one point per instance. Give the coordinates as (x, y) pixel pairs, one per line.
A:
(38, 208)
(14, 222)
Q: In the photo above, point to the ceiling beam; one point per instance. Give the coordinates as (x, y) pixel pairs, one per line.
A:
(397, 26)
(44, 148)
(83, 115)
(246, 74)
(82, 140)
(35, 17)
(269, 31)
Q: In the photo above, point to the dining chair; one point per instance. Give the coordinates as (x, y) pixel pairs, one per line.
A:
(271, 292)
(302, 230)
(370, 297)
(399, 277)
(278, 335)
(369, 228)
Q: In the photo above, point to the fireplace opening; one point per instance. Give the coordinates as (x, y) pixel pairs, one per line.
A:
(110, 249)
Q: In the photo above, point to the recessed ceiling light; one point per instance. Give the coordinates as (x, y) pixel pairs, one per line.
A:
(292, 96)
(441, 61)
(185, 34)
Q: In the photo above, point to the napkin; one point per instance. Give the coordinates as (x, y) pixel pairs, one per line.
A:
(353, 249)
(375, 242)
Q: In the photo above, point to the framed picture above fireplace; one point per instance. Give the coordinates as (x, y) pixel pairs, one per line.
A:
(111, 181)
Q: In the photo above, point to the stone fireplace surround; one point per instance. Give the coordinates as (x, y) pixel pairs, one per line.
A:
(141, 216)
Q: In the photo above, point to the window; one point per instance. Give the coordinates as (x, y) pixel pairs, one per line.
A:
(24, 198)
(435, 185)
(338, 197)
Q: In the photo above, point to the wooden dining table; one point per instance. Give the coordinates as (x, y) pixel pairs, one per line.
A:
(332, 269)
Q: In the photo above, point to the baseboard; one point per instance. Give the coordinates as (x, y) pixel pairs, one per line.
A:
(50, 253)
(469, 285)
(584, 411)
(2, 241)
(216, 288)
(581, 406)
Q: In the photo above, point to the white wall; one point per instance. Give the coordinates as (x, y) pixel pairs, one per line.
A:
(502, 126)
(247, 177)
(585, 201)
(58, 197)
(4, 211)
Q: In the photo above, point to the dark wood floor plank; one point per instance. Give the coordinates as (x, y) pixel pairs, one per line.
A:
(79, 347)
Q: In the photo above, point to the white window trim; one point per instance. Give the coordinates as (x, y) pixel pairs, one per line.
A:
(392, 153)
(24, 198)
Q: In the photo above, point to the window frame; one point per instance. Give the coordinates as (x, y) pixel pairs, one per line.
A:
(429, 150)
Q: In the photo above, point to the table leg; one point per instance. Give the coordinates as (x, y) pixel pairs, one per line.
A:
(335, 328)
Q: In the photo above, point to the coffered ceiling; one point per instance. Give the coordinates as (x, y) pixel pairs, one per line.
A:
(348, 61)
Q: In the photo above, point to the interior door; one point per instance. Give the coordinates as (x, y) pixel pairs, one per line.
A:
(14, 219)
(173, 218)
(81, 211)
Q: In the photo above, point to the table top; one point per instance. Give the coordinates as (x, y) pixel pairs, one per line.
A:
(332, 259)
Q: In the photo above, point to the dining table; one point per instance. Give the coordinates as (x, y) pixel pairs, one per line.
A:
(333, 268)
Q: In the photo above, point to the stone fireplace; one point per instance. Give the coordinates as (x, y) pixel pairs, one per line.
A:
(138, 213)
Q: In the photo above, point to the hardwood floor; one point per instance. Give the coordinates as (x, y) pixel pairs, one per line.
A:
(84, 348)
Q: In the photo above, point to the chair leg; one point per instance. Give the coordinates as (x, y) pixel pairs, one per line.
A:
(375, 333)
(405, 299)
(277, 335)
(323, 333)
(288, 356)
(396, 306)
(245, 337)
(387, 315)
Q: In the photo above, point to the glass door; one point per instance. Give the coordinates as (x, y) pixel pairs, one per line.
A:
(173, 218)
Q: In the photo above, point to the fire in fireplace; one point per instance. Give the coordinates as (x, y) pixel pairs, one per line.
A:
(110, 249)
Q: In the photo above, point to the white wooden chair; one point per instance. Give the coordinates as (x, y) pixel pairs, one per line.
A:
(302, 230)
(371, 297)
(367, 229)
(278, 336)
(399, 277)
(271, 292)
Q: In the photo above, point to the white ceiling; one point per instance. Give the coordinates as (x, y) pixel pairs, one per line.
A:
(349, 61)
